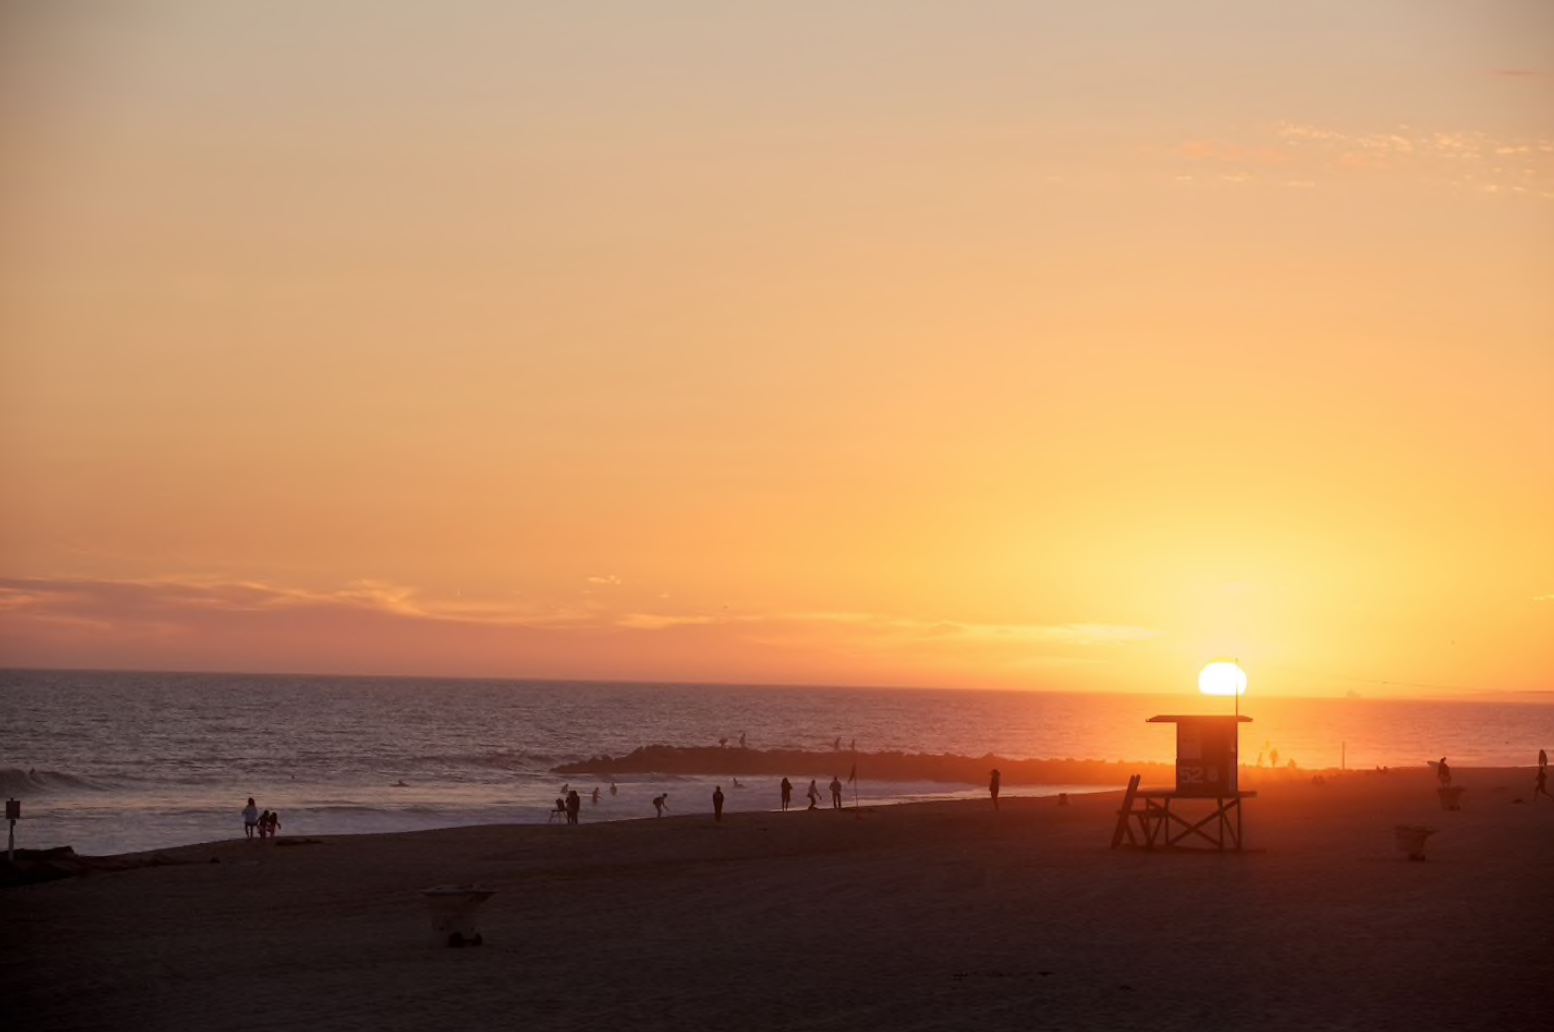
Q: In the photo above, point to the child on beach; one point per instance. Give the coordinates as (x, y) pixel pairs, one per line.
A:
(661, 803)
(269, 824)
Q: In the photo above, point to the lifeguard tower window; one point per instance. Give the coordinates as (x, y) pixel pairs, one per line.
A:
(1207, 755)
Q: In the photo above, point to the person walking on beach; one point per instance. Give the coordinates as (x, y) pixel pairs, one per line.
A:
(717, 803)
(1443, 772)
(661, 803)
(836, 792)
(574, 804)
(992, 786)
(787, 793)
(1543, 759)
(814, 795)
(250, 818)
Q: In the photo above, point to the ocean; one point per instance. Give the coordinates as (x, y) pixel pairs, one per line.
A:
(115, 762)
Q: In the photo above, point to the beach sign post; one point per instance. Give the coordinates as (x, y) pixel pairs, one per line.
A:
(13, 813)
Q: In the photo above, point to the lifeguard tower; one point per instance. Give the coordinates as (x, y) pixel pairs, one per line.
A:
(1204, 809)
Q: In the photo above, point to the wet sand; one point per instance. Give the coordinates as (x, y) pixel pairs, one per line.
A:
(945, 915)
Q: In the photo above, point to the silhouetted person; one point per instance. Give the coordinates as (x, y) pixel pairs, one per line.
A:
(661, 803)
(250, 818)
(992, 786)
(596, 795)
(574, 804)
(813, 795)
(1543, 759)
(836, 792)
(717, 803)
(787, 793)
(1443, 772)
(269, 824)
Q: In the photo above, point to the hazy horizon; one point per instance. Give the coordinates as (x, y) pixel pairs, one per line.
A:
(1189, 698)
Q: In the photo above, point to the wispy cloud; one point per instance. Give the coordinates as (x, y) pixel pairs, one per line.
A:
(196, 623)
(1076, 634)
(1304, 156)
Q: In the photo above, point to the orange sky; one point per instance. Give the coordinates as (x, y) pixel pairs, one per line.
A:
(1020, 346)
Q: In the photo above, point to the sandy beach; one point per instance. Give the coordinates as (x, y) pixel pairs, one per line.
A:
(944, 915)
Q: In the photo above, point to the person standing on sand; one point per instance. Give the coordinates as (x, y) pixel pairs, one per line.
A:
(661, 803)
(787, 793)
(574, 804)
(717, 803)
(836, 792)
(814, 795)
(1443, 772)
(992, 786)
(250, 818)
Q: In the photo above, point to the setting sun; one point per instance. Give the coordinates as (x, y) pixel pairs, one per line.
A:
(1222, 677)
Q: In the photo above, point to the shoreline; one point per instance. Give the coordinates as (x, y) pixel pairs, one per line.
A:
(937, 914)
(876, 793)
